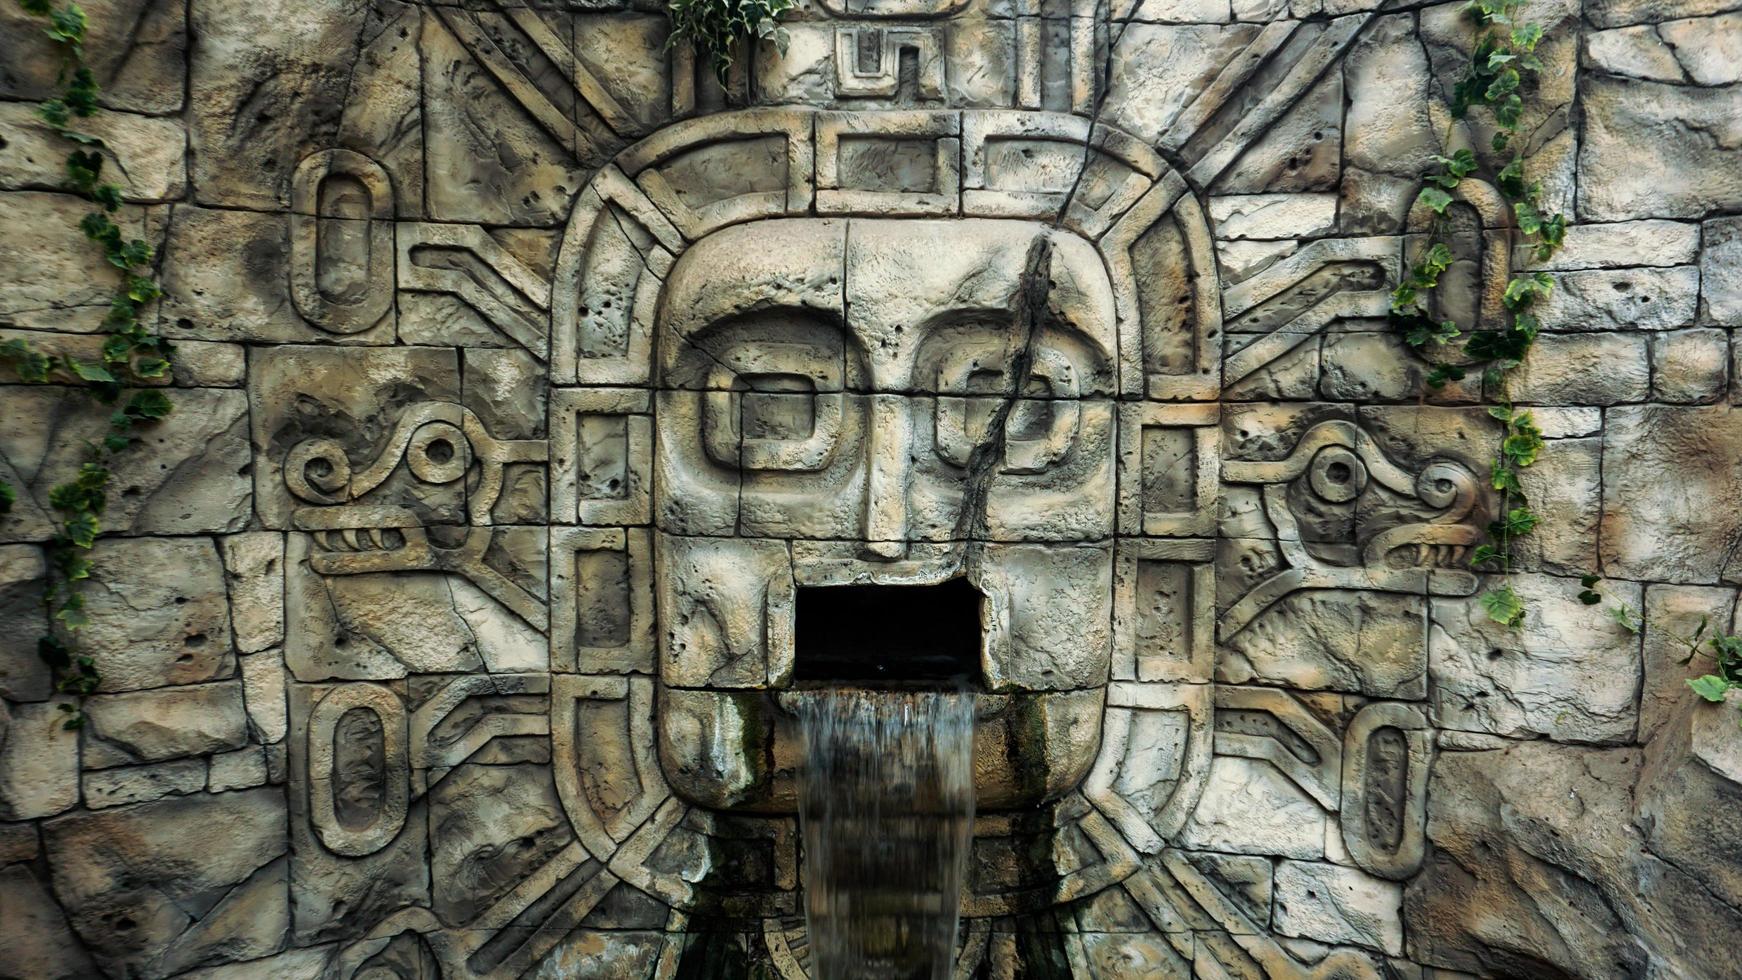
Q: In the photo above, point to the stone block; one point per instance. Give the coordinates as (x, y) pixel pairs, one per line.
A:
(51, 277)
(1721, 272)
(150, 726)
(1691, 173)
(254, 569)
(158, 613)
(126, 785)
(1672, 503)
(194, 898)
(39, 760)
(136, 49)
(1690, 366)
(1621, 299)
(187, 474)
(1564, 674)
(145, 157)
(1332, 904)
(1583, 369)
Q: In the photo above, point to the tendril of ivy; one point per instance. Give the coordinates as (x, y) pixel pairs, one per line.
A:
(1503, 66)
(130, 354)
(715, 27)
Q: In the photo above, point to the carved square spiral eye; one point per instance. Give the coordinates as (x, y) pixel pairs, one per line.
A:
(774, 421)
(1040, 427)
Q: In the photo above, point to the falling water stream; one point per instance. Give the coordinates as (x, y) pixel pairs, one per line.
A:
(886, 805)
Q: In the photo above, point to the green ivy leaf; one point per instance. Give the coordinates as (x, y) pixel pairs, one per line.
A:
(1517, 522)
(82, 531)
(1710, 687)
(1435, 198)
(151, 404)
(1504, 606)
(89, 372)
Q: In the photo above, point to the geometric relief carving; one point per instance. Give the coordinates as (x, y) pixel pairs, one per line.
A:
(358, 768)
(602, 614)
(1154, 759)
(1168, 459)
(1278, 308)
(341, 241)
(888, 162)
(1387, 755)
(465, 262)
(1165, 610)
(868, 60)
(1340, 514)
(601, 456)
(1273, 726)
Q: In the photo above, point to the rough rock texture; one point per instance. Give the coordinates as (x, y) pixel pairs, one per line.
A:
(532, 385)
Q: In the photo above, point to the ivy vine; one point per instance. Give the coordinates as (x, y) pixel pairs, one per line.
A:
(715, 27)
(131, 354)
(1503, 67)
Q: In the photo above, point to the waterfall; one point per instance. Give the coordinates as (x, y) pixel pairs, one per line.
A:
(886, 808)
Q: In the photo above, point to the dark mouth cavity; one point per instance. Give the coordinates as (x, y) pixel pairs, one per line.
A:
(888, 636)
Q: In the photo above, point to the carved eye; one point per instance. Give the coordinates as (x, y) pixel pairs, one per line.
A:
(1337, 475)
(1040, 426)
(772, 421)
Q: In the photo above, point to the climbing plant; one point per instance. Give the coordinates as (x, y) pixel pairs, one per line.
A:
(131, 353)
(1503, 66)
(716, 27)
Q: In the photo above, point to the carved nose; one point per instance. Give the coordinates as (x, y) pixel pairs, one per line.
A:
(886, 489)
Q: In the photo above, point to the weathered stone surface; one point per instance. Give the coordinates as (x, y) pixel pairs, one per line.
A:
(1565, 487)
(241, 769)
(191, 898)
(34, 931)
(1158, 68)
(149, 726)
(125, 785)
(1389, 137)
(263, 688)
(39, 760)
(145, 157)
(23, 675)
(1694, 128)
(158, 613)
(1616, 13)
(1721, 272)
(1250, 807)
(1625, 244)
(1273, 216)
(572, 375)
(1338, 905)
(254, 570)
(1690, 366)
(1684, 529)
(1537, 870)
(1679, 622)
(273, 82)
(52, 278)
(1583, 369)
(494, 825)
(136, 50)
(188, 473)
(1622, 299)
(1565, 674)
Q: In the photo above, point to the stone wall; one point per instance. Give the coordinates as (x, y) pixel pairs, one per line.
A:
(525, 373)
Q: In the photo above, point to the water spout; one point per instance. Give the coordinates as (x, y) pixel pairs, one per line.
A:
(886, 807)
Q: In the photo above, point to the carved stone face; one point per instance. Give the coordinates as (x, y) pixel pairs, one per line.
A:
(824, 387)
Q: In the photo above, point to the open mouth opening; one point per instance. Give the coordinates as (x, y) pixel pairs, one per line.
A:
(896, 636)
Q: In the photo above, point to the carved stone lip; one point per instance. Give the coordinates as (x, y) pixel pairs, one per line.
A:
(824, 563)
